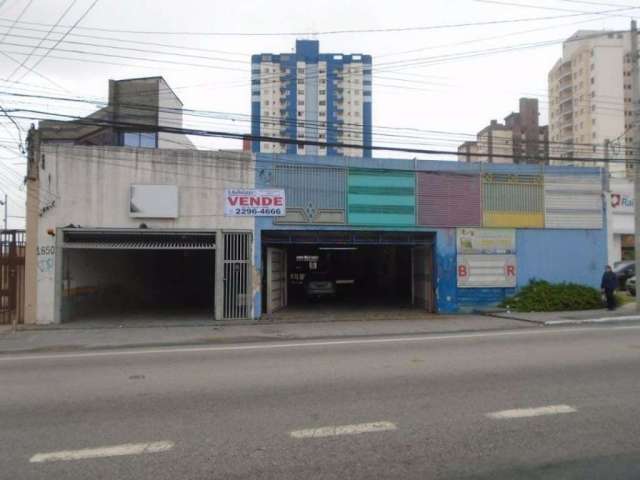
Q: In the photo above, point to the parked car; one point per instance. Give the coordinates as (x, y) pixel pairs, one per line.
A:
(631, 285)
(624, 271)
(319, 285)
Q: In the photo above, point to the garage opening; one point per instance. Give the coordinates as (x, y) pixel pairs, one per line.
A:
(123, 276)
(343, 272)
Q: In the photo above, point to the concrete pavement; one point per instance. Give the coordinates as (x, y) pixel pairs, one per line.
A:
(526, 403)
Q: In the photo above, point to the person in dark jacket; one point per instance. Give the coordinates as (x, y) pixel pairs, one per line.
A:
(608, 285)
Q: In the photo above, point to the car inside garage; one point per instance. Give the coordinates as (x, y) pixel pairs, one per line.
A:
(313, 271)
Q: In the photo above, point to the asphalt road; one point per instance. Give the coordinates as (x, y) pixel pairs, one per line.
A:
(544, 403)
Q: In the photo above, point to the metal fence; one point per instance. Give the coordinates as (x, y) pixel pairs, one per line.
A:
(12, 253)
(237, 298)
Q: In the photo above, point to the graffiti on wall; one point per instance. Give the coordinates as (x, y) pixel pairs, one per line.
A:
(46, 258)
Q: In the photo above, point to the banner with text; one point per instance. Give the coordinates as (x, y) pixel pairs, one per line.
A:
(254, 203)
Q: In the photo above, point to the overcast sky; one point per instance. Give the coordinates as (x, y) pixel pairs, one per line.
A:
(426, 89)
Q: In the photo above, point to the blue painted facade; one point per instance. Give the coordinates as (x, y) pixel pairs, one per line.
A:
(556, 255)
(307, 51)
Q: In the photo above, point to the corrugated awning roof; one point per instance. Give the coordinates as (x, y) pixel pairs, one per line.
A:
(138, 240)
(150, 244)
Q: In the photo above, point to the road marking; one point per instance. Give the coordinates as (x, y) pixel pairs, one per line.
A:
(311, 343)
(336, 430)
(102, 452)
(532, 412)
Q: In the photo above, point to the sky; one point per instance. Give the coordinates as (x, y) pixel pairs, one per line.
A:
(441, 69)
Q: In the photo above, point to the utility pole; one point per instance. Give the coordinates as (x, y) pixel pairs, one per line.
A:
(635, 102)
(6, 209)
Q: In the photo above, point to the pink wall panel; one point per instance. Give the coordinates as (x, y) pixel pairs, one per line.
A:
(448, 200)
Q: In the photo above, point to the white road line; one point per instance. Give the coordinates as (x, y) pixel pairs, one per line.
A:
(311, 343)
(532, 412)
(102, 452)
(336, 430)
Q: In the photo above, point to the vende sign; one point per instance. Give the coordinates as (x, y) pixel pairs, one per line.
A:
(254, 203)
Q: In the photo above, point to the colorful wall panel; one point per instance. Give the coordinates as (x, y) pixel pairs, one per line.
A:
(448, 199)
(513, 201)
(313, 194)
(381, 197)
(573, 201)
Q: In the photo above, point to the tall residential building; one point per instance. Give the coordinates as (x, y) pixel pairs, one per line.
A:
(311, 96)
(590, 110)
(520, 139)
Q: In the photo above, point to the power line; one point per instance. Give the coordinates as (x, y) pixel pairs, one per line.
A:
(24, 62)
(281, 140)
(348, 31)
(61, 39)
(18, 18)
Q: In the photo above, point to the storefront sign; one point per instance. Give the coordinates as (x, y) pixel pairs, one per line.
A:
(254, 203)
(622, 202)
(153, 201)
(487, 271)
(486, 240)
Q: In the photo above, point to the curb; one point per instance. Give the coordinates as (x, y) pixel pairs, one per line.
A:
(240, 340)
(579, 321)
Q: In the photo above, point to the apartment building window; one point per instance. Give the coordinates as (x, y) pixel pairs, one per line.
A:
(593, 80)
(301, 71)
(301, 81)
(322, 92)
(301, 102)
(322, 102)
(300, 92)
(593, 108)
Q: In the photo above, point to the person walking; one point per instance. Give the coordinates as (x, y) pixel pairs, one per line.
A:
(608, 286)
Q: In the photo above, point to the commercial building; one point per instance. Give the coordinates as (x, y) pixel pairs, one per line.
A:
(148, 233)
(520, 139)
(590, 109)
(621, 220)
(312, 96)
(439, 236)
(137, 232)
(119, 224)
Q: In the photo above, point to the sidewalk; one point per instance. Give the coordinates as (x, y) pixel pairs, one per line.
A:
(623, 314)
(95, 336)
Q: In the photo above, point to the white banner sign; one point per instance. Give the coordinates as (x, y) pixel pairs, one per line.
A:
(622, 202)
(487, 271)
(486, 240)
(254, 203)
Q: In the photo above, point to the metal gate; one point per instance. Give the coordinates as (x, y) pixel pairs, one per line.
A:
(12, 252)
(237, 298)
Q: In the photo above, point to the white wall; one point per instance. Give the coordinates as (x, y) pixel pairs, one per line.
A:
(89, 187)
(170, 115)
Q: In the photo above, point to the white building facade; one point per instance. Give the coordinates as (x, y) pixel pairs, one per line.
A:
(590, 111)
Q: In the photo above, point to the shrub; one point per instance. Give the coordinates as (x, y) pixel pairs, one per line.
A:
(542, 296)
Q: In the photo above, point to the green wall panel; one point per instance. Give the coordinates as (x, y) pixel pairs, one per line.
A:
(381, 197)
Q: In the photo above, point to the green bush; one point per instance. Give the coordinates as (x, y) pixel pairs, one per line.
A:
(542, 296)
